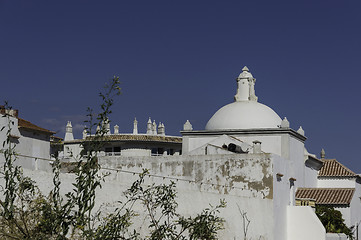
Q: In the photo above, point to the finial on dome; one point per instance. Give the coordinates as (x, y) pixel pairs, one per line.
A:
(245, 88)
(323, 153)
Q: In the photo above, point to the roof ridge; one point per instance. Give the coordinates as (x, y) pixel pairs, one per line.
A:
(333, 168)
(328, 159)
(22, 123)
(349, 170)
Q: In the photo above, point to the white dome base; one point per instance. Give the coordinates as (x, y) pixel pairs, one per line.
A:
(244, 115)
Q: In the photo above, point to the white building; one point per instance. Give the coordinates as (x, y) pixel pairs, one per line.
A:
(246, 155)
(32, 142)
(338, 187)
(152, 143)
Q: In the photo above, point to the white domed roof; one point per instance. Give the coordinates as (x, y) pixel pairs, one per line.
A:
(244, 115)
(245, 112)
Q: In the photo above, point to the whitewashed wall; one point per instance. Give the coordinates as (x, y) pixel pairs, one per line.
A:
(28, 143)
(303, 224)
(355, 218)
(243, 180)
(336, 183)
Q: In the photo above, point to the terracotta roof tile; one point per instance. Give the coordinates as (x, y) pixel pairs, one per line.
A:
(327, 196)
(143, 138)
(332, 168)
(28, 125)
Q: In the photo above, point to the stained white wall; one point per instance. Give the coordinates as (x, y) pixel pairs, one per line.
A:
(243, 180)
(288, 161)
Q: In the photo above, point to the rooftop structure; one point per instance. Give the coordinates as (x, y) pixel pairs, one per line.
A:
(152, 143)
(245, 112)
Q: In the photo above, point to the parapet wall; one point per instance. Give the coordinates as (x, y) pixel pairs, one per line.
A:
(244, 181)
(248, 175)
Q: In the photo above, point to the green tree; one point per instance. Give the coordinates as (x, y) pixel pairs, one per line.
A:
(26, 214)
(332, 220)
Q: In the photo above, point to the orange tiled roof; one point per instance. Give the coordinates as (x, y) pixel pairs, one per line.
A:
(28, 125)
(140, 137)
(327, 196)
(332, 168)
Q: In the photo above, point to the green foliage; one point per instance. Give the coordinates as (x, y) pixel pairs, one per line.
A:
(164, 221)
(332, 220)
(206, 224)
(26, 214)
(10, 171)
(22, 205)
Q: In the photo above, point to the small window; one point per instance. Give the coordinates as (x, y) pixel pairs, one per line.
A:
(117, 151)
(108, 151)
(154, 151)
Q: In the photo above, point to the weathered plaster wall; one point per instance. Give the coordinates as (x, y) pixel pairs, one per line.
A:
(245, 181)
(250, 174)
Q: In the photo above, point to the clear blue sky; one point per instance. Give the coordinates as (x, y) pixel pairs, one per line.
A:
(178, 60)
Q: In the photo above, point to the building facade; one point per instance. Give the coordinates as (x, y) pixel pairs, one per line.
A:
(246, 154)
